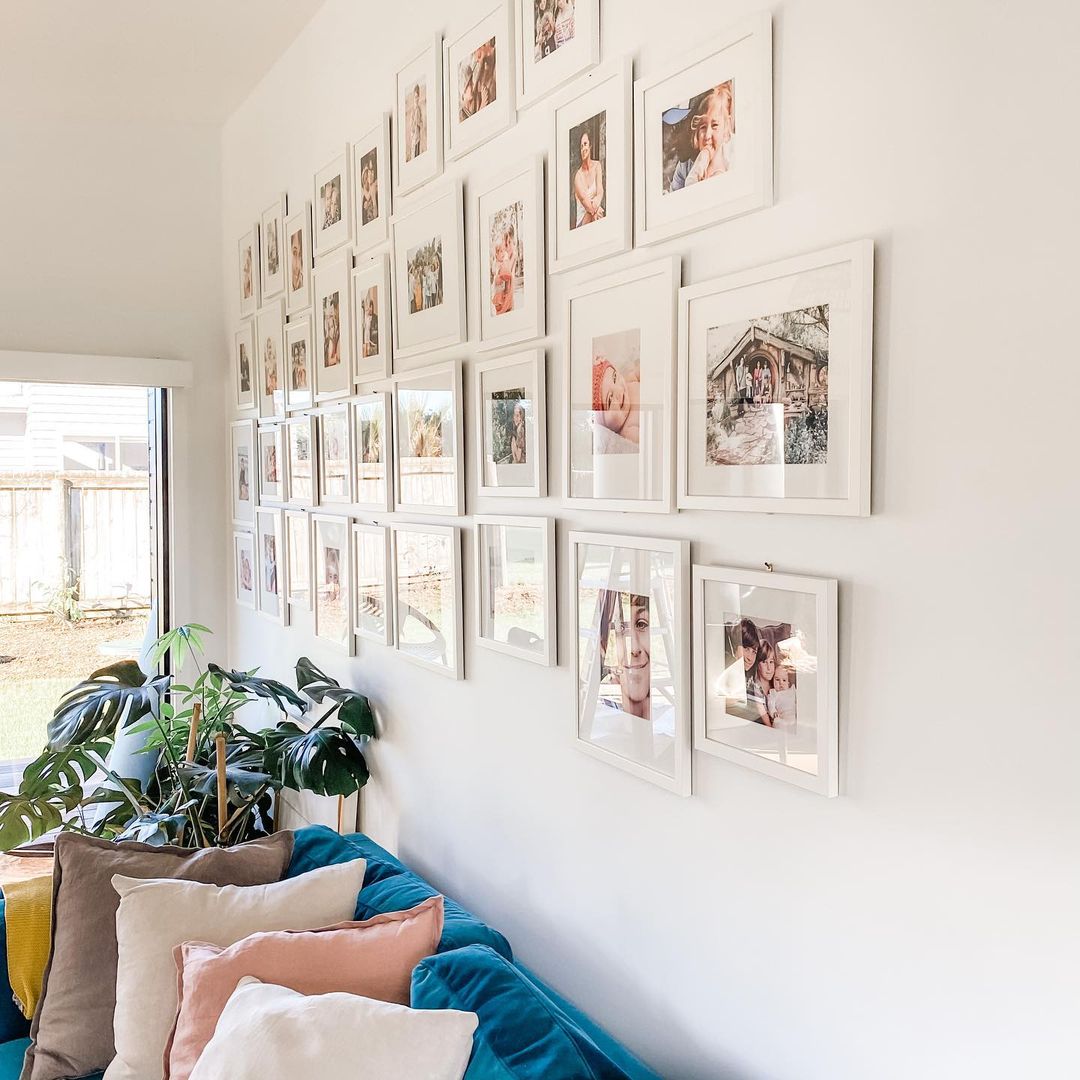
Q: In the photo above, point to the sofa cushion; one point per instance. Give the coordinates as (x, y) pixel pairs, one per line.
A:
(318, 845)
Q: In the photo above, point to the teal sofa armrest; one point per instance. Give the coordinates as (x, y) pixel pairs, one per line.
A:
(13, 1025)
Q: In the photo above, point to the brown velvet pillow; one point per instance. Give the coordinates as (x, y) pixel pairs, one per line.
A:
(72, 1030)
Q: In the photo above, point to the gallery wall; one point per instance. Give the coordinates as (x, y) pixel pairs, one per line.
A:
(914, 925)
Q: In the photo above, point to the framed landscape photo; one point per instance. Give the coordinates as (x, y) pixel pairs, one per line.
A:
(298, 375)
(427, 596)
(270, 366)
(630, 603)
(775, 368)
(301, 452)
(429, 276)
(510, 278)
(418, 118)
(703, 135)
(272, 248)
(372, 610)
(332, 204)
(271, 464)
(373, 444)
(332, 569)
(428, 474)
(765, 690)
(270, 560)
(371, 319)
(333, 328)
(556, 40)
(478, 67)
(589, 177)
(371, 186)
(298, 558)
(243, 365)
(515, 580)
(244, 568)
(244, 471)
(620, 341)
(248, 263)
(511, 416)
(335, 455)
(301, 260)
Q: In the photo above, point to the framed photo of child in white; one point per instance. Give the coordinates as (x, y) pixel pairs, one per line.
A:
(620, 340)
(332, 585)
(298, 373)
(765, 692)
(511, 413)
(300, 258)
(418, 118)
(270, 559)
(703, 135)
(372, 607)
(244, 365)
(273, 261)
(333, 204)
(298, 558)
(333, 328)
(556, 40)
(373, 444)
(428, 474)
(630, 599)
(248, 265)
(371, 320)
(301, 453)
(371, 186)
(270, 362)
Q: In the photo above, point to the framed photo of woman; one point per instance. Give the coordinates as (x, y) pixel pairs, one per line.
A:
(765, 690)
(478, 91)
(300, 260)
(244, 469)
(244, 568)
(620, 341)
(269, 557)
(630, 599)
(333, 328)
(333, 204)
(371, 186)
(335, 455)
(271, 464)
(298, 558)
(774, 398)
(703, 135)
(272, 262)
(332, 587)
(372, 608)
(511, 413)
(418, 118)
(371, 319)
(301, 438)
(510, 279)
(270, 366)
(373, 443)
(248, 263)
(556, 40)
(244, 365)
(589, 182)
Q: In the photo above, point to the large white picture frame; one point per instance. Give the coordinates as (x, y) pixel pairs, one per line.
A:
(298, 559)
(332, 204)
(371, 168)
(301, 259)
(554, 46)
(244, 471)
(371, 307)
(299, 366)
(244, 366)
(331, 538)
(510, 425)
(301, 447)
(418, 118)
(336, 455)
(373, 445)
(333, 360)
(244, 575)
(247, 254)
(272, 487)
(273, 258)
(373, 606)
(270, 359)
(271, 565)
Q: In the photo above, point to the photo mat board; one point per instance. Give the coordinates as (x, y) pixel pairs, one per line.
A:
(332, 580)
(244, 470)
(418, 118)
(300, 260)
(371, 305)
(332, 204)
(373, 444)
(271, 566)
(269, 359)
(510, 419)
(371, 186)
(244, 365)
(335, 455)
(555, 41)
(298, 558)
(373, 606)
(273, 256)
(301, 441)
(271, 463)
(333, 360)
(244, 578)
(299, 375)
(247, 251)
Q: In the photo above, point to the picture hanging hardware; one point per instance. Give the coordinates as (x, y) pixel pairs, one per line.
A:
(768, 567)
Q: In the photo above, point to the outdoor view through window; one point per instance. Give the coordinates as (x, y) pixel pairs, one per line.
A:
(75, 547)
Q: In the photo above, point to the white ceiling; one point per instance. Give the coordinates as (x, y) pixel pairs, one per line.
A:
(183, 60)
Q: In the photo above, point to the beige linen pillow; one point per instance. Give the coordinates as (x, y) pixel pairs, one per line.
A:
(156, 916)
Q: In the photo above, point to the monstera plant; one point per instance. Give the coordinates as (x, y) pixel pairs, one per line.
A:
(212, 780)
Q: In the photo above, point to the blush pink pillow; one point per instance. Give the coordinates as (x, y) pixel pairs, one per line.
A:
(373, 958)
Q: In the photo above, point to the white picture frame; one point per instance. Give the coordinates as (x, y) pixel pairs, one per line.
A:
(244, 576)
(301, 260)
(620, 344)
(532, 540)
(808, 321)
(244, 366)
(373, 445)
(598, 105)
(429, 476)
(272, 253)
(789, 622)
(270, 359)
(271, 464)
(299, 374)
(336, 455)
(332, 314)
(429, 276)
(372, 332)
(371, 169)
(718, 93)
(418, 118)
(331, 560)
(511, 283)
(271, 565)
(249, 275)
(331, 204)
(632, 680)
(244, 471)
(510, 425)
(373, 606)
(301, 448)
(430, 639)
(548, 57)
(298, 559)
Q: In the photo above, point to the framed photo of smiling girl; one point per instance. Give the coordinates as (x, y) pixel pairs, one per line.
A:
(620, 340)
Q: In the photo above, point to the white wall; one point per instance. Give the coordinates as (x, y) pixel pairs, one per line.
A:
(923, 924)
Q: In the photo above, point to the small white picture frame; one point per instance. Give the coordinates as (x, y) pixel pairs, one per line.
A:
(554, 46)
(332, 312)
(301, 439)
(418, 118)
(765, 674)
(299, 376)
(271, 464)
(703, 135)
(298, 559)
(373, 608)
(373, 442)
(427, 596)
(429, 476)
(515, 583)
(270, 359)
(332, 204)
(510, 266)
(244, 578)
(244, 366)
(271, 565)
(371, 306)
(244, 470)
(510, 418)
(371, 167)
(590, 165)
(331, 560)
(247, 249)
(336, 455)
(300, 260)
(273, 258)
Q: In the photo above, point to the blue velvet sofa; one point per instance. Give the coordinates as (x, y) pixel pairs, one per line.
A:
(526, 1030)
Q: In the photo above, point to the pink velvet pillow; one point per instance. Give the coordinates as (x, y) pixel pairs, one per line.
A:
(373, 958)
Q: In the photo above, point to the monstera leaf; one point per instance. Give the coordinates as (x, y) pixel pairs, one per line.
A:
(269, 689)
(157, 829)
(352, 708)
(55, 771)
(325, 760)
(114, 697)
(241, 783)
(25, 817)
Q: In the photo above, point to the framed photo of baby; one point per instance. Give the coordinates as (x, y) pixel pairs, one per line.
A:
(333, 361)
(299, 260)
(556, 40)
(703, 135)
(333, 204)
(765, 694)
(418, 118)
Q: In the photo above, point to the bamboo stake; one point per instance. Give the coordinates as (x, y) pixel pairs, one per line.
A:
(341, 813)
(193, 734)
(222, 792)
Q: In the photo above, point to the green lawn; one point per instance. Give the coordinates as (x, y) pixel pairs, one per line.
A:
(25, 708)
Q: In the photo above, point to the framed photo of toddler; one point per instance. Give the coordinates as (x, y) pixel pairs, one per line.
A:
(333, 204)
(298, 375)
(620, 340)
(511, 413)
(630, 604)
(244, 365)
(371, 186)
(703, 135)
(418, 118)
(765, 690)
(269, 364)
(270, 559)
(300, 260)
(510, 280)
(273, 257)
(298, 558)
(301, 438)
(556, 40)
(248, 263)
(335, 443)
(333, 328)
(774, 386)
(244, 568)
(373, 608)
(331, 539)
(371, 320)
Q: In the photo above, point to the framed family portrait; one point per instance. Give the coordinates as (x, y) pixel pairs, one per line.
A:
(589, 178)
(333, 328)
(270, 346)
(515, 580)
(556, 40)
(335, 455)
(371, 186)
(301, 260)
(703, 135)
(271, 464)
(371, 319)
(620, 341)
(243, 363)
(630, 599)
(418, 118)
(272, 248)
(765, 692)
(243, 468)
(478, 69)
(301, 472)
(429, 275)
(428, 474)
(775, 386)
(373, 609)
(298, 376)
(269, 557)
(248, 263)
(333, 204)
(332, 569)
(510, 278)
(298, 558)
(373, 444)
(427, 596)
(511, 411)
(244, 568)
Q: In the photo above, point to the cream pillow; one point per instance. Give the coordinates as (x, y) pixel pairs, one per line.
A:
(269, 1032)
(157, 915)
